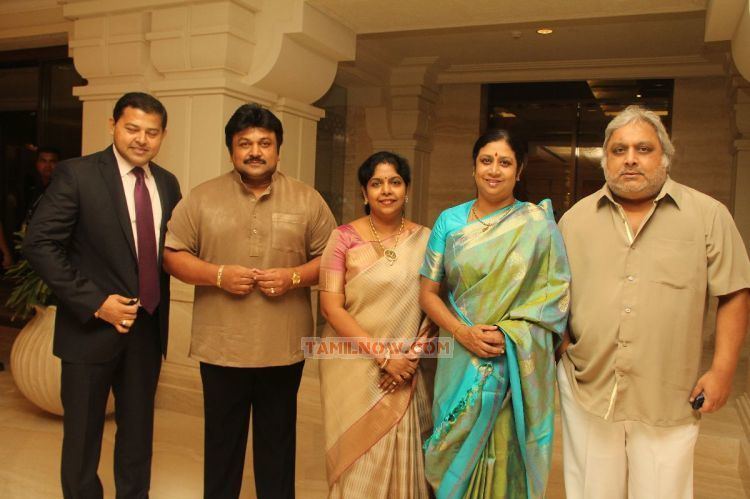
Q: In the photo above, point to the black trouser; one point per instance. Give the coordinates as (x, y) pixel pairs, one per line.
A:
(133, 375)
(229, 395)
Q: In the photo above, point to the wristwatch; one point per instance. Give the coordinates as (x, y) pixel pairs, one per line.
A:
(296, 278)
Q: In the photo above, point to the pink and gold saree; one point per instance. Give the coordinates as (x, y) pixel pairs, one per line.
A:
(373, 439)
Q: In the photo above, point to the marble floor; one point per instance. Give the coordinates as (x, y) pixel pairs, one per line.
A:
(30, 451)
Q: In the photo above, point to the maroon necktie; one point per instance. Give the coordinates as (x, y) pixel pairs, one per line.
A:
(148, 272)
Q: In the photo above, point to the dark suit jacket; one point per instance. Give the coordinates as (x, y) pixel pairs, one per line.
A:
(80, 240)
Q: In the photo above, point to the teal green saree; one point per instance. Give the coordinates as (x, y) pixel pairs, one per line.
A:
(494, 417)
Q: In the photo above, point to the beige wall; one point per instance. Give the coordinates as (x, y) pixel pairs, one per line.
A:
(456, 127)
(702, 135)
(358, 148)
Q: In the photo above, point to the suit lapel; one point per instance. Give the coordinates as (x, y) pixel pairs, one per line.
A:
(112, 179)
(161, 186)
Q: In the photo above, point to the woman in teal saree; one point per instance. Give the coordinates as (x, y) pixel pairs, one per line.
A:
(503, 267)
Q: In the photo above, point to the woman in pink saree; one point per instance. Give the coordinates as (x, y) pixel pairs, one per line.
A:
(375, 406)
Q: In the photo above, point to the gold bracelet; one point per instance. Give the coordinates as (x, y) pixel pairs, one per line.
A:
(457, 328)
(218, 276)
(296, 278)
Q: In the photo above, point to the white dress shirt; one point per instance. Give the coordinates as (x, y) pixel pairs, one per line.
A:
(128, 183)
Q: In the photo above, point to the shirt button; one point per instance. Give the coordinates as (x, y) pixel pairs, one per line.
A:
(631, 278)
(627, 310)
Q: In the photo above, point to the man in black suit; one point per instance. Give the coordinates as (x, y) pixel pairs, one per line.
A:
(97, 238)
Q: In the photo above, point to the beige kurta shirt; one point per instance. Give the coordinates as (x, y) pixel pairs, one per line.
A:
(222, 222)
(638, 301)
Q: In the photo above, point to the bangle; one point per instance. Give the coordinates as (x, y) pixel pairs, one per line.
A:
(218, 276)
(455, 330)
(387, 356)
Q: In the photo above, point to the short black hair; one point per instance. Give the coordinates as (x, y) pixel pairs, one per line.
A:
(517, 144)
(139, 100)
(367, 169)
(253, 115)
(47, 149)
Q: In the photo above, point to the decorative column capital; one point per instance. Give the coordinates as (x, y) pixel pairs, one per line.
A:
(249, 49)
(730, 21)
(297, 50)
(299, 109)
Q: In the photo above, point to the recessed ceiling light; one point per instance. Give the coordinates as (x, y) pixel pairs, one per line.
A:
(506, 114)
(638, 95)
(544, 31)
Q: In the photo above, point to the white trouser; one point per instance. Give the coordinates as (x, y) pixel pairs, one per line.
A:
(627, 459)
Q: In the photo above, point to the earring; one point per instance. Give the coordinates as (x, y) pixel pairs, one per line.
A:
(406, 199)
(364, 202)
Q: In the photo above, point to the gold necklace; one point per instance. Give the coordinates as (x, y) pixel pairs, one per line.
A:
(486, 225)
(390, 253)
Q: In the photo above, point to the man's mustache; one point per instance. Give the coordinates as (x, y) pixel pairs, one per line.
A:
(253, 159)
(630, 170)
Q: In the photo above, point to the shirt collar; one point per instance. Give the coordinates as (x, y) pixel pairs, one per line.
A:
(124, 165)
(670, 188)
(274, 178)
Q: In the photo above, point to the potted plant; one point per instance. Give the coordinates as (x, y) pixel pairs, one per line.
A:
(30, 292)
(35, 369)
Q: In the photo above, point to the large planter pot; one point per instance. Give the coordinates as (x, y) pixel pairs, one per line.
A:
(35, 369)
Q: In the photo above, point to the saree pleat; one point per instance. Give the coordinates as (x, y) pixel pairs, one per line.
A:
(494, 417)
(499, 472)
(373, 440)
(388, 469)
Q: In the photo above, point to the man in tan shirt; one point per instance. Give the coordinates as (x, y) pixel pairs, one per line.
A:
(250, 241)
(645, 253)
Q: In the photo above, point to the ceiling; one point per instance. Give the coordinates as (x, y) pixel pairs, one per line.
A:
(486, 35)
(634, 37)
(380, 16)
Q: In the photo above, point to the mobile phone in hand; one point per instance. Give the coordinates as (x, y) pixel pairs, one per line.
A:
(698, 402)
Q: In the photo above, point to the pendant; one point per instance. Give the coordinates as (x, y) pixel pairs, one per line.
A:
(390, 256)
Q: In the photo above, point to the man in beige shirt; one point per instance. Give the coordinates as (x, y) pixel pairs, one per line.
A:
(645, 253)
(250, 241)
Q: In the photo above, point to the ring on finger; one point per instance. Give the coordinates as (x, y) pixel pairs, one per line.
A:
(124, 323)
(273, 291)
